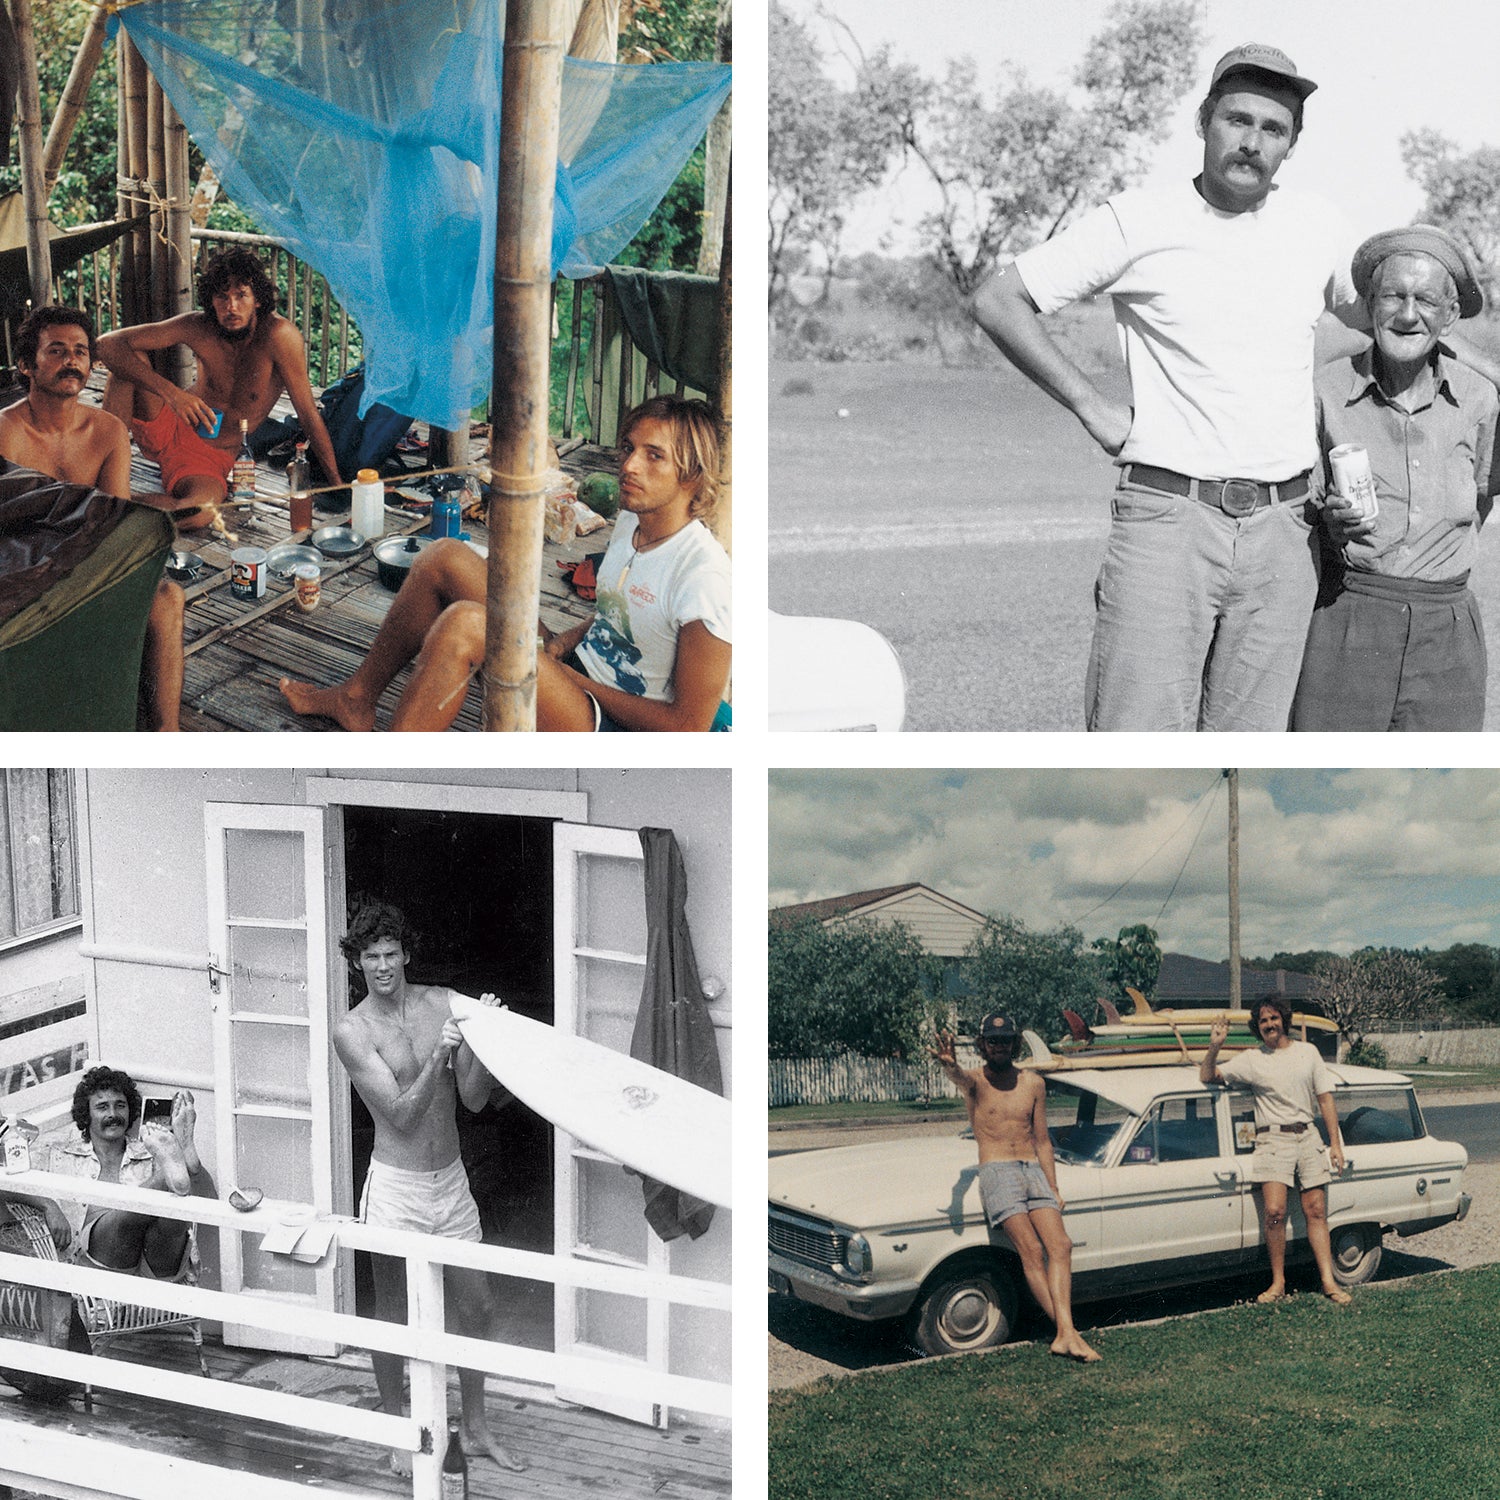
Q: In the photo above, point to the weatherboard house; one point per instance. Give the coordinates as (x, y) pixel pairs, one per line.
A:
(183, 924)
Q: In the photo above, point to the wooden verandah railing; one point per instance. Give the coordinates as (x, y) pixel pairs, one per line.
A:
(67, 1463)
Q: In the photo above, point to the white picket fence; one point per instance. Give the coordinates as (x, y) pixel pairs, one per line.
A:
(851, 1079)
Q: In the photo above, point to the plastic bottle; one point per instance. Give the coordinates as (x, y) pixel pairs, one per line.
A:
(454, 1478)
(242, 476)
(368, 518)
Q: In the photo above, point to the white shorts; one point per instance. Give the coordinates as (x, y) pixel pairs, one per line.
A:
(427, 1202)
(1295, 1160)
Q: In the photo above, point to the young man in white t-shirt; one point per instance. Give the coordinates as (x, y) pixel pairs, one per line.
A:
(656, 653)
(1211, 571)
(1292, 1085)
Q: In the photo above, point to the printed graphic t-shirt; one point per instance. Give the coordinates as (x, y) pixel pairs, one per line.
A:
(645, 599)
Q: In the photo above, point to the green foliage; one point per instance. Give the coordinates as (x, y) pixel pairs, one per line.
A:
(1029, 975)
(855, 987)
(1463, 194)
(1374, 984)
(1391, 1399)
(1015, 163)
(1133, 958)
(1294, 963)
(1470, 975)
(1368, 1054)
(85, 191)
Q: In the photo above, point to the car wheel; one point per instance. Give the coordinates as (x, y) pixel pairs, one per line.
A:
(964, 1310)
(1356, 1254)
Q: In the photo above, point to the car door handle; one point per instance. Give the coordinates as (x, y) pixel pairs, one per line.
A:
(1227, 1179)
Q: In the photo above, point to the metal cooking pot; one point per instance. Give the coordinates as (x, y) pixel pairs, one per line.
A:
(394, 558)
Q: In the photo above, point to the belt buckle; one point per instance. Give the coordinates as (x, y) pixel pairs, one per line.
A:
(1239, 497)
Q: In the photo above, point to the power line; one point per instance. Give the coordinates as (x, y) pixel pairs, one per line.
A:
(1189, 854)
(1211, 787)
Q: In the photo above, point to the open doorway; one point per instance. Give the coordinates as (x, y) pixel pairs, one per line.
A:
(477, 890)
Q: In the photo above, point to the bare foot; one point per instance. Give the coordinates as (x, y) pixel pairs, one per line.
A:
(1337, 1295)
(1072, 1346)
(169, 1170)
(1272, 1294)
(335, 703)
(482, 1444)
(184, 1128)
(401, 1462)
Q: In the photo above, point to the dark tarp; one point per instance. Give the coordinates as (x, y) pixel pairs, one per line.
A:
(673, 1029)
(10, 81)
(69, 246)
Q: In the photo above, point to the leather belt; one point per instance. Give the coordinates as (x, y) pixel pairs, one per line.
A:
(1235, 497)
(1285, 1129)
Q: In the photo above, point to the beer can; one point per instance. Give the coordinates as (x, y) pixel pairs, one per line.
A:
(247, 572)
(1353, 479)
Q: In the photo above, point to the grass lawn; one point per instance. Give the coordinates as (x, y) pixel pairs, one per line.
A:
(1394, 1397)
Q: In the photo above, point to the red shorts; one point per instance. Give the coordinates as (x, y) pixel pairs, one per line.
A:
(169, 442)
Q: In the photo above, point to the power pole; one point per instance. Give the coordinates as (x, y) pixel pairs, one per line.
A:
(1233, 778)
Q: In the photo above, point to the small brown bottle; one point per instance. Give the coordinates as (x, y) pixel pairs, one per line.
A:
(455, 1473)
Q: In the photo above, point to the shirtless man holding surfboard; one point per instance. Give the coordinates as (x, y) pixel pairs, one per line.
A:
(410, 1063)
(1017, 1171)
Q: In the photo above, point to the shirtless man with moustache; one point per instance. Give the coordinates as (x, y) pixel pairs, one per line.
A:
(411, 1065)
(247, 353)
(1017, 1170)
(51, 431)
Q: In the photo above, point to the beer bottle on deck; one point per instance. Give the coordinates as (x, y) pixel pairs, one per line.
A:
(242, 476)
(455, 1473)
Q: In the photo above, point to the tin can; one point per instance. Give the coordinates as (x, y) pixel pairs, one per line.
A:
(447, 514)
(308, 581)
(247, 573)
(1353, 479)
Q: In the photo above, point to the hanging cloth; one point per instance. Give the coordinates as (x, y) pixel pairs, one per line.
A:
(365, 136)
(673, 1030)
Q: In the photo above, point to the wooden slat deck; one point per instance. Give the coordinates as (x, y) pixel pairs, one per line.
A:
(230, 681)
(570, 1452)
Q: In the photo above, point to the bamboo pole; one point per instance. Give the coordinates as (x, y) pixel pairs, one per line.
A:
(531, 90)
(723, 518)
(179, 247)
(156, 175)
(74, 95)
(138, 253)
(33, 183)
(124, 208)
(716, 161)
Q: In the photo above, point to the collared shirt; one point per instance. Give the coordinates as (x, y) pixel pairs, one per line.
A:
(1435, 468)
(1215, 313)
(76, 1158)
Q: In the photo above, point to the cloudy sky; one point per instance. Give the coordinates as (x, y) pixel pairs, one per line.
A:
(1383, 67)
(1328, 859)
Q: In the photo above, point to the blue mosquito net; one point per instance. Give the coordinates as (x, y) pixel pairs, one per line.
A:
(365, 135)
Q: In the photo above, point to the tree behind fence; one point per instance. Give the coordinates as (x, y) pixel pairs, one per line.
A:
(851, 1079)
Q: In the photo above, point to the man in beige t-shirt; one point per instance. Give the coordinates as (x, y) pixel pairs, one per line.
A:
(1292, 1085)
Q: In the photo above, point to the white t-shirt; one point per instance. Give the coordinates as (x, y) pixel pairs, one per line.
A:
(1286, 1082)
(645, 598)
(1215, 313)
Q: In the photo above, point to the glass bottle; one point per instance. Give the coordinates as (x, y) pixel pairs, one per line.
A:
(299, 500)
(455, 1473)
(242, 476)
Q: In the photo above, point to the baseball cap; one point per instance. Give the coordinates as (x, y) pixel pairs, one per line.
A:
(997, 1027)
(1256, 57)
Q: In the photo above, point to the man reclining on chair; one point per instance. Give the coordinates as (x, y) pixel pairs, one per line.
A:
(655, 655)
(106, 1107)
(51, 431)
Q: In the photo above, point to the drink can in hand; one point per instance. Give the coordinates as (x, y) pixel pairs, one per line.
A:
(1353, 479)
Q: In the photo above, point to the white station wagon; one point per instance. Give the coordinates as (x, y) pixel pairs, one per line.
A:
(1154, 1170)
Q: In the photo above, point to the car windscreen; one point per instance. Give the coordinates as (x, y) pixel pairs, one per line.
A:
(1082, 1123)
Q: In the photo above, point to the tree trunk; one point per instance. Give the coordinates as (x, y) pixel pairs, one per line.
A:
(595, 30)
(530, 93)
(33, 183)
(716, 162)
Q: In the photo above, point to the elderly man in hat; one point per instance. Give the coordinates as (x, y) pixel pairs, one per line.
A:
(1017, 1170)
(1396, 641)
(1211, 569)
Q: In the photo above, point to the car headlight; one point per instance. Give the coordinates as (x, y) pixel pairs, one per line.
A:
(857, 1255)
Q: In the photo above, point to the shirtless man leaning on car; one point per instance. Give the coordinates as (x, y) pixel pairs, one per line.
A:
(1017, 1171)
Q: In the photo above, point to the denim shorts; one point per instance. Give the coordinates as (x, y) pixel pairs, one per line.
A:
(1008, 1188)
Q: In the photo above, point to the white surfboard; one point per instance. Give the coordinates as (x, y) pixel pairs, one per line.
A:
(648, 1119)
(833, 674)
